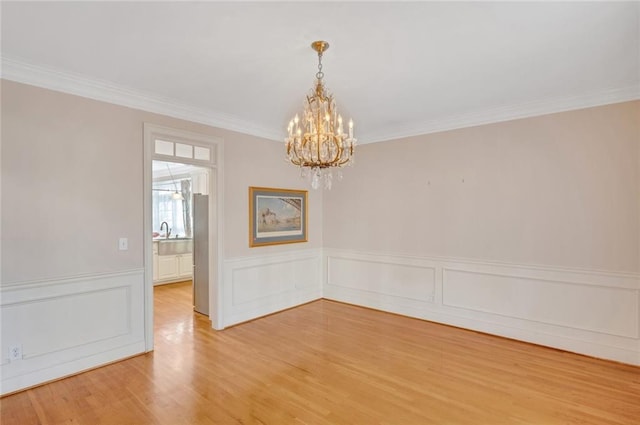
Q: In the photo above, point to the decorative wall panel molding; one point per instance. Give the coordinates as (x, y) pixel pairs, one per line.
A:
(260, 285)
(398, 279)
(105, 91)
(590, 312)
(80, 85)
(65, 326)
(598, 308)
(490, 115)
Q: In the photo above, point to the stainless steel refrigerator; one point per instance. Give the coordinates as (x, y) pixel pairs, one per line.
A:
(201, 253)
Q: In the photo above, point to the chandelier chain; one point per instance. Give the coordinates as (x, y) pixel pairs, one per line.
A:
(319, 74)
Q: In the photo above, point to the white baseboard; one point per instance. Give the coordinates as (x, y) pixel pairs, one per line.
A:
(65, 326)
(583, 311)
(261, 285)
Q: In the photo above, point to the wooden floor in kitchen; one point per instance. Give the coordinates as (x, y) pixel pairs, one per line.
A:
(331, 363)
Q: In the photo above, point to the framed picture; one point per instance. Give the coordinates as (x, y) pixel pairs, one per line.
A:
(277, 216)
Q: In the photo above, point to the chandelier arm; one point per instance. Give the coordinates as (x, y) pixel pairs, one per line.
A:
(297, 154)
(291, 148)
(319, 138)
(343, 162)
(335, 158)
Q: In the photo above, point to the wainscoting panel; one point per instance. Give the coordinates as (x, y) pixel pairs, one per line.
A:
(609, 310)
(391, 283)
(261, 285)
(399, 279)
(69, 325)
(589, 312)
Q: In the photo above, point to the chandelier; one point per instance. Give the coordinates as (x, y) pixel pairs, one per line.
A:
(317, 142)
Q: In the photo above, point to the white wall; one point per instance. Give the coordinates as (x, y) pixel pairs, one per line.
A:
(528, 229)
(558, 190)
(261, 280)
(72, 185)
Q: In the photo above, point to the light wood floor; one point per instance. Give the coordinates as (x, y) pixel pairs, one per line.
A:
(330, 363)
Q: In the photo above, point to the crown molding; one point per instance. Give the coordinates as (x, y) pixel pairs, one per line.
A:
(22, 72)
(80, 85)
(513, 112)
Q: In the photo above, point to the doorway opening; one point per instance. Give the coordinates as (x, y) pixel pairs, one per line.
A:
(179, 211)
(180, 214)
(182, 220)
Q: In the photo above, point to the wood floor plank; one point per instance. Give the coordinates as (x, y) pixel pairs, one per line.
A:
(327, 363)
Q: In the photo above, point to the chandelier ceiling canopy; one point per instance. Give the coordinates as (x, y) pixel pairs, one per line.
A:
(317, 141)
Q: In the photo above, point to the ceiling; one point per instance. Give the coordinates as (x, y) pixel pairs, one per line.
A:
(398, 69)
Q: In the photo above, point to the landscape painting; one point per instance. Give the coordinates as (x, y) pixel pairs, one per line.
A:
(277, 216)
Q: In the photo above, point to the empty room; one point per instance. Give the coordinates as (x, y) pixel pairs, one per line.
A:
(320, 213)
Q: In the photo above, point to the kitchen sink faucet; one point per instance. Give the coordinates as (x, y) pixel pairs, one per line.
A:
(164, 223)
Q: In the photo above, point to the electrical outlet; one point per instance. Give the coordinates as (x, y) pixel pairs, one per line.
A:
(15, 352)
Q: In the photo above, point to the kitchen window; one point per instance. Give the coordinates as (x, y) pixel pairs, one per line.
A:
(167, 209)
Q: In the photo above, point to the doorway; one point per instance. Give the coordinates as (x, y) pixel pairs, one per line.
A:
(185, 163)
(179, 210)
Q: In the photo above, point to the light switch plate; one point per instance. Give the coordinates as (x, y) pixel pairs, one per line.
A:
(123, 244)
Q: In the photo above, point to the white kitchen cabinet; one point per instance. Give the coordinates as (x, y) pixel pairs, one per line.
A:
(185, 265)
(167, 267)
(173, 268)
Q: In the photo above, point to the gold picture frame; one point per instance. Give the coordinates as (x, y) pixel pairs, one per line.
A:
(277, 216)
